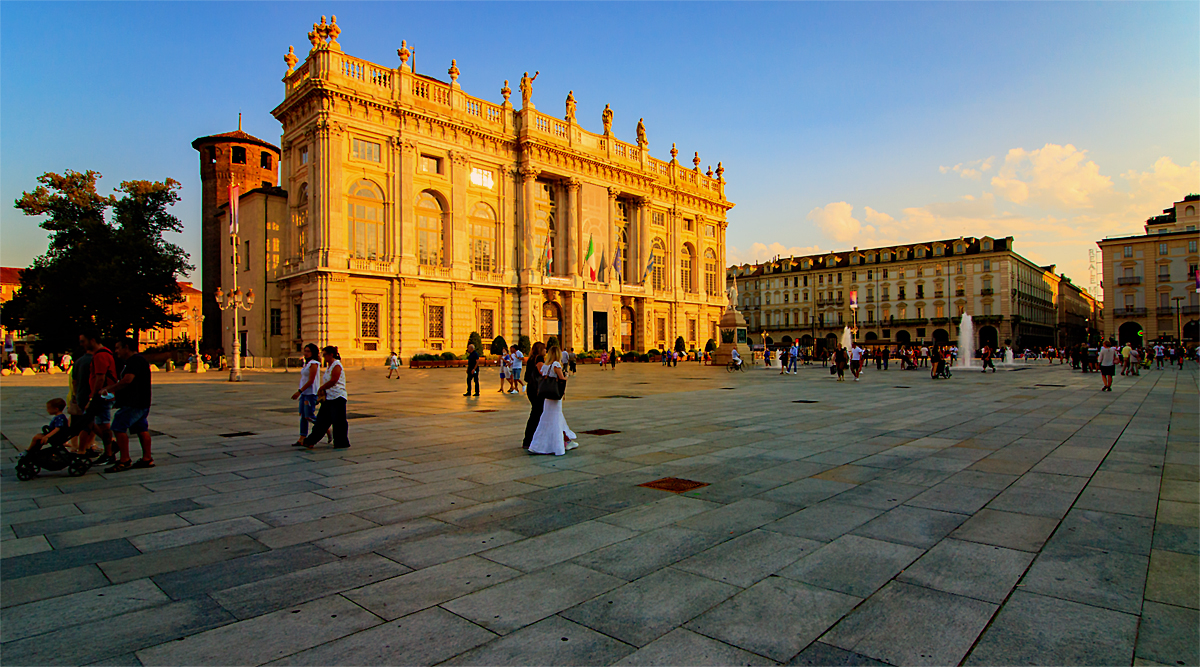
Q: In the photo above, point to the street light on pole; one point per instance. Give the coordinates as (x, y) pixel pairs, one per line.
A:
(235, 301)
(1178, 321)
(197, 319)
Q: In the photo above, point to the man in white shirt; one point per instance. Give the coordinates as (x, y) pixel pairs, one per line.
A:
(856, 355)
(792, 354)
(1159, 355)
(1108, 361)
(737, 358)
(518, 385)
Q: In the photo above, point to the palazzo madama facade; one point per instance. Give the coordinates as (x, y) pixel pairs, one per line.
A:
(417, 214)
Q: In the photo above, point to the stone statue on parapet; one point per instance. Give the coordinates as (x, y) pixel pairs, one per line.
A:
(527, 89)
(606, 118)
(571, 106)
(291, 60)
(641, 132)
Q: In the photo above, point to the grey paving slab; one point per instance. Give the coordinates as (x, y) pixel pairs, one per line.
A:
(1182, 539)
(1118, 501)
(381, 537)
(953, 498)
(265, 638)
(50, 585)
(269, 504)
(413, 509)
(1038, 502)
(25, 546)
(749, 558)
(63, 559)
(36, 618)
(1169, 635)
(684, 647)
(641, 611)
(911, 625)
(546, 519)
(853, 565)
(776, 617)
(238, 571)
(399, 596)
(1033, 629)
(820, 653)
(116, 636)
(310, 531)
(1127, 481)
(446, 547)
(260, 597)
(824, 521)
(180, 558)
(544, 550)
(739, 517)
(980, 571)
(552, 641)
(13, 515)
(1109, 579)
(806, 492)
(191, 534)
(1007, 529)
(659, 513)
(981, 479)
(912, 526)
(424, 638)
(1107, 531)
(653, 550)
(112, 531)
(881, 495)
(1173, 579)
(525, 600)
(482, 513)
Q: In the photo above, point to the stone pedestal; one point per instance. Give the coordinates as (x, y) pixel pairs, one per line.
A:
(733, 336)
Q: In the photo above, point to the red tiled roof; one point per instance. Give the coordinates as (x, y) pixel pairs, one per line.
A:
(187, 290)
(10, 275)
(230, 137)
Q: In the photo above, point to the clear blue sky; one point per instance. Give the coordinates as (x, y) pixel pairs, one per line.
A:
(809, 105)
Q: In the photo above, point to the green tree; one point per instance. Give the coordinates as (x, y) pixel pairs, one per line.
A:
(499, 345)
(552, 342)
(106, 263)
(680, 345)
(710, 346)
(524, 344)
(476, 340)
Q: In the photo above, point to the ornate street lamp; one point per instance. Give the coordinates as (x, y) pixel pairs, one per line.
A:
(197, 318)
(235, 301)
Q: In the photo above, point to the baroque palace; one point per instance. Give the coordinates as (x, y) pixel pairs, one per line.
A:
(916, 293)
(412, 214)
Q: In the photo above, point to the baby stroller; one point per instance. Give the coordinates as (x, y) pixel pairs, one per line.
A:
(52, 456)
(943, 371)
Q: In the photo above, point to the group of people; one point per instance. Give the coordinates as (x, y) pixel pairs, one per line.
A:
(99, 381)
(330, 394)
(42, 363)
(546, 430)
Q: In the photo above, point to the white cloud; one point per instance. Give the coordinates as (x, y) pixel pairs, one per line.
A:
(971, 170)
(1052, 176)
(759, 252)
(837, 222)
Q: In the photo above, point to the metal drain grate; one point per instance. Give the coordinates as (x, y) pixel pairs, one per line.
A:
(900, 386)
(674, 485)
(600, 431)
(805, 400)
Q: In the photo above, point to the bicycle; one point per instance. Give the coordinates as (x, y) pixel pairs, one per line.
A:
(734, 366)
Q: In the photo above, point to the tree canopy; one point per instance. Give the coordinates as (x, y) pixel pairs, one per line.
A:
(106, 265)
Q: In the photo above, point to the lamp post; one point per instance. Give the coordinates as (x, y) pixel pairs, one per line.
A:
(1178, 321)
(197, 319)
(235, 301)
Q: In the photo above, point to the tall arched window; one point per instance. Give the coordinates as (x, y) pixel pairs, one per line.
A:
(430, 240)
(710, 272)
(545, 228)
(483, 238)
(658, 277)
(366, 220)
(686, 259)
(300, 218)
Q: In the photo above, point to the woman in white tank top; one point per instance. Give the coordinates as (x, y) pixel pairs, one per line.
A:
(333, 408)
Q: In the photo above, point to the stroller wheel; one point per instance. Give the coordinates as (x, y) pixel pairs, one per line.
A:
(79, 467)
(26, 470)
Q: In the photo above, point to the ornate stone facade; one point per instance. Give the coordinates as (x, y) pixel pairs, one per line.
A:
(419, 214)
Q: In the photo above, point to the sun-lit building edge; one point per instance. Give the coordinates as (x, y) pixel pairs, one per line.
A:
(1150, 279)
(916, 293)
(411, 214)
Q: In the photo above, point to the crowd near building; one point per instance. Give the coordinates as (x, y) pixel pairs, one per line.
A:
(408, 215)
(916, 293)
(1151, 281)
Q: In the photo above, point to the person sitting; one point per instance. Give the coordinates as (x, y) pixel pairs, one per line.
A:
(57, 427)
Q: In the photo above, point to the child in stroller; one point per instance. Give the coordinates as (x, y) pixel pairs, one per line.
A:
(940, 368)
(48, 450)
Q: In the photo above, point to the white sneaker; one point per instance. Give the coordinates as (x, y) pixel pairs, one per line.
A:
(570, 445)
(856, 379)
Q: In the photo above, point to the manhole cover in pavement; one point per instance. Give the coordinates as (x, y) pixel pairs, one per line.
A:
(239, 434)
(729, 388)
(805, 400)
(485, 411)
(674, 484)
(600, 431)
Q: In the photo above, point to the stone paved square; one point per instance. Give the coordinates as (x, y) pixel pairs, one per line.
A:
(1020, 517)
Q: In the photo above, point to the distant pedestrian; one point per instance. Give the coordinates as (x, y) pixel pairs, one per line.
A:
(472, 369)
(516, 362)
(306, 394)
(393, 364)
(840, 359)
(102, 372)
(571, 359)
(604, 360)
(1107, 358)
(987, 359)
(612, 359)
(505, 370)
(856, 354)
(65, 361)
(332, 395)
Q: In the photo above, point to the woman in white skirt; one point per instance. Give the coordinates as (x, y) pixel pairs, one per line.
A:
(552, 436)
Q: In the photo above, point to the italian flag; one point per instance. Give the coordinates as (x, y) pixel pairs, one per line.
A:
(590, 258)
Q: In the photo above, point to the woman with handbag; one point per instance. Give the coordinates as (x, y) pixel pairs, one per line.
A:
(533, 372)
(552, 436)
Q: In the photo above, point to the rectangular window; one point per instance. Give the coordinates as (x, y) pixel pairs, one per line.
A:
(239, 155)
(364, 150)
(246, 260)
(296, 322)
(658, 218)
(662, 328)
(692, 330)
(883, 293)
(369, 321)
(839, 279)
(1162, 248)
(987, 265)
(1129, 251)
(939, 311)
(688, 224)
(1128, 301)
(1164, 300)
(304, 155)
(276, 321)
(870, 315)
(487, 329)
(885, 274)
(430, 164)
(854, 276)
(987, 309)
(264, 160)
(436, 328)
(483, 178)
(1191, 246)
(710, 231)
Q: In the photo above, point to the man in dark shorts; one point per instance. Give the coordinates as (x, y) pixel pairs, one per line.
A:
(132, 393)
(97, 406)
(1107, 356)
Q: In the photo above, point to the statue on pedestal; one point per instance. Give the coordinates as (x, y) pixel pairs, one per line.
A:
(570, 106)
(527, 89)
(733, 295)
(606, 117)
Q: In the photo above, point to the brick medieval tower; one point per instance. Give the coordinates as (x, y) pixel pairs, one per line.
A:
(231, 158)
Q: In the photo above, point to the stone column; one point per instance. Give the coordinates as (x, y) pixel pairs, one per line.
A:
(405, 198)
(571, 244)
(528, 213)
(456, 236)
(610, 252)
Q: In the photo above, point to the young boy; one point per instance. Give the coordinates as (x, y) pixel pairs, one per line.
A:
(57, 426)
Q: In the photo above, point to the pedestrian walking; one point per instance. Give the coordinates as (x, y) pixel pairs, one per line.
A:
(505, 370)
(572, 359)
(840, 359)
(987, 359)
(393, 364)
(1107, 358)
(533, 372)
(332, 395)
(102, 372)
(306, 393)
(472, 369)
(515, 362)
(612, 359)
(856, 355)
(552, 435)
(132, 400)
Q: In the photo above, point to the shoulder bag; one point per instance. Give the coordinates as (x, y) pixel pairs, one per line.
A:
(549, 386)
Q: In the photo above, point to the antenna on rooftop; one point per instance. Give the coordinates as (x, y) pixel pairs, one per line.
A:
(239, 121)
